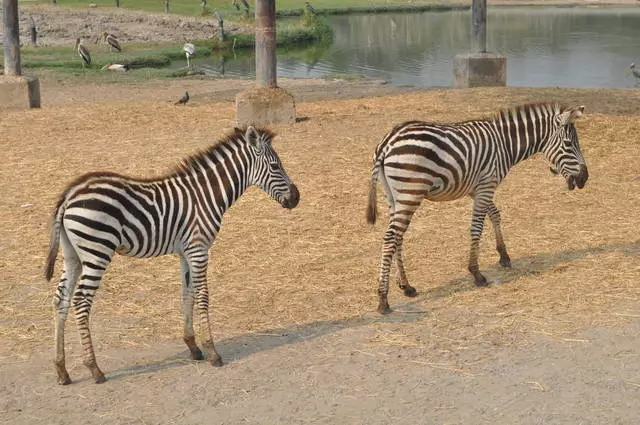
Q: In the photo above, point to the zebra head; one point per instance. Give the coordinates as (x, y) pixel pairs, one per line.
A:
(563, 149)
(268, 172)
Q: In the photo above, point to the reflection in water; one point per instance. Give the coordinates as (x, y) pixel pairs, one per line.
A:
(565, 47)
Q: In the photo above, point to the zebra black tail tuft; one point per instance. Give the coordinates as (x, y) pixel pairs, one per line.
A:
(372, 209)
(54, 244)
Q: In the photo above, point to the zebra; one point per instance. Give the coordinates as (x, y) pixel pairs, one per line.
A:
(100, 214)
(441, 162)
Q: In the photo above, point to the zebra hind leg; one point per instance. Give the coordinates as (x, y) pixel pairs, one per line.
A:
(388, 250)
(61, 302)
(92, 273)
(401, 276)
(494, 215)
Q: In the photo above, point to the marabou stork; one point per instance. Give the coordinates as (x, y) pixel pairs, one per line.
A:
(310, 8)
(245, 3)
(235, 4)
(184, 99)
(634, 71)
(112, 40)
(189, 50)
(84, 54)
(218, 16)
(33, 31)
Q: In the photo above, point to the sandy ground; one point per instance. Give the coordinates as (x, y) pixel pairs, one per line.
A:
(555, 340)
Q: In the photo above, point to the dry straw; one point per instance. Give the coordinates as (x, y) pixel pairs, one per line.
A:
(575, 254)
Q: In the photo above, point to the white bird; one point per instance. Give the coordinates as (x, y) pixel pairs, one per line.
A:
(112, 40)
(117, 67)
(189, 50)
(634, 70)
(84, 54)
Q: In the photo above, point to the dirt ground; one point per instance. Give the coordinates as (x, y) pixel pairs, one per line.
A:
(554, 340)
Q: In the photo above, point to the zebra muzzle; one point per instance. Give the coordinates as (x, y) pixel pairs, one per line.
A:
(293, 199)
(579, 179)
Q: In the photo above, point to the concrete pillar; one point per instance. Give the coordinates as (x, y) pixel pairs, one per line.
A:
(479, 68)
(267, 103)
(16, 91)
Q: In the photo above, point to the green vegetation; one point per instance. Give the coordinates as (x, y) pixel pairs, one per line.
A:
(284, 7)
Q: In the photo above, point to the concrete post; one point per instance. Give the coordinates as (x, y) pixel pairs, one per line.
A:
(16, 91)
(479, 68)
(266, 43)
(11, 38)
(479, 26)
(267, 103)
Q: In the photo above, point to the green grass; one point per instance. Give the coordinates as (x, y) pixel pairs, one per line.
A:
(192, 7)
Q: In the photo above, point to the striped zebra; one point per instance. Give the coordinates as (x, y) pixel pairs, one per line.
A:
(101, 214)
(442, 162)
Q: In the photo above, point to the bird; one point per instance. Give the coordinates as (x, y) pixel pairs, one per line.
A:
(117, 67)
(203, 3)
(33, 31)
(310, 8)
(112, 40)
(189, 50)
(634, 70)
(245, 3)
(184, 99)
(235, 4)
(84, 54)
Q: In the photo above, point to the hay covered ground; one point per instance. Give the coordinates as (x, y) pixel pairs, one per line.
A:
(293, 292)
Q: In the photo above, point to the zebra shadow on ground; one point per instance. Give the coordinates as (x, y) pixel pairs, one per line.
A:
(243, 346)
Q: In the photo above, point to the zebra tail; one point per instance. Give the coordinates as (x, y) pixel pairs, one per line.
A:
(54, 244)
(372, 209)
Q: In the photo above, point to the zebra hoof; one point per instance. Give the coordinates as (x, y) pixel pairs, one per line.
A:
(410, 291)
(197, 355)
(64, 380)
(217, 362)
(481, 281)
(100, 379)
(383, 307)
(505, 262)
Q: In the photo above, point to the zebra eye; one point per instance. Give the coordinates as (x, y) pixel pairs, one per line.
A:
(567, 142)
(274, 166)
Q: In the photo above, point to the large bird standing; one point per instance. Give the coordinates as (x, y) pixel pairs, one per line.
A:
(112, 40)
(634, 71)
(189, 50)
(84, 54)
(33, 31)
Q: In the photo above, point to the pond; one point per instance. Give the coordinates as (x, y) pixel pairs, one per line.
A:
(564, 47)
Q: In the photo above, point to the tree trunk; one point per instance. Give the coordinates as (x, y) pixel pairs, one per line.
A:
(266, 43)
(11, 38)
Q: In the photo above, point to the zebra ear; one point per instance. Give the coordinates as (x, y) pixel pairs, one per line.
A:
(570, 114)
(253, 138)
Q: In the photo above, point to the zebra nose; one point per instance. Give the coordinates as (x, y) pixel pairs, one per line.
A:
(582, 176)
(293, 199)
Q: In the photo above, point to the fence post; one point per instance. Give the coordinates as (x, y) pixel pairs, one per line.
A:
(479, 26)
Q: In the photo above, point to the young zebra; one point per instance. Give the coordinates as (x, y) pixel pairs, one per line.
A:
(101, 214)
(442, 162)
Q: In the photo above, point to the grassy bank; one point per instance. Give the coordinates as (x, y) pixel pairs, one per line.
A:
(284, 7)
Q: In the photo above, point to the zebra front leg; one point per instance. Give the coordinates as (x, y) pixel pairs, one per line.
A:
(480, 202)
(187, 310)
(61, 302)
(494, 215)
(198, 268)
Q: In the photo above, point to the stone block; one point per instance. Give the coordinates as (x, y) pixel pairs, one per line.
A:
(19, 92)
(479, 70)
(265, 106)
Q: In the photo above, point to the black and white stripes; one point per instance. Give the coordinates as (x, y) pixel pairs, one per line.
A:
(101, 214)
(442, 162)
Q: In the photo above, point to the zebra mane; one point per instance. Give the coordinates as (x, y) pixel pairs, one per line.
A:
(543, 108)
(194, 164)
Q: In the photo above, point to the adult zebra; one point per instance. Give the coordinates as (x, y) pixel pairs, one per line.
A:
(442, 162)
(100, 214)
